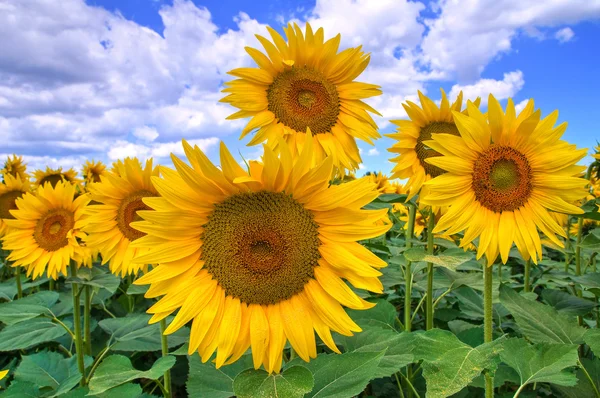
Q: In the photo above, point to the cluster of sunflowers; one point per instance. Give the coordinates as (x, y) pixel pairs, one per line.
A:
(261, 255)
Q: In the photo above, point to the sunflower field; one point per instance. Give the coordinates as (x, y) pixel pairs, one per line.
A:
(467, 270)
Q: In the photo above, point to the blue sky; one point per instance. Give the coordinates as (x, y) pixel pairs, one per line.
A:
(105, 79)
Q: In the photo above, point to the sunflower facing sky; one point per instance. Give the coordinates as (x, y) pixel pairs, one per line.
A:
(504, 173)
(55, 175)
(304, 84)
(12, 189)
(92, 171)
(425, 122)
(15, 167)
(116, 202)
(255, 259)
(42, 237)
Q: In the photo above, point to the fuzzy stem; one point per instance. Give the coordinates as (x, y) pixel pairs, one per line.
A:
(87, 308)
(487, 323)
(165, 351)
(52, 285)
(412, 210)
(77, 323)
(429, 302)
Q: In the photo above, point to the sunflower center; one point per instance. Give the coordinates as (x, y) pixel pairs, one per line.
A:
(502, 178)
(8, 202)
(127, 213)
(52, 228)
(303, 97)
(53, 179)
(261, 247)
(424, 152)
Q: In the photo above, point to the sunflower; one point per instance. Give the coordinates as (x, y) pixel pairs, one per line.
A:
(257, 258)
(504, 173)
(15, 167)
(12, 189)
(424, 123)
(382, 181)
(43, 235)
(586, 228)
(118, 165)
(306, 85)
(117, 199)
(55, 175)
(92, 171)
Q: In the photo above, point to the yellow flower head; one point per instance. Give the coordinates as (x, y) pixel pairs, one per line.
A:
(43, 234)
(53, 176)
(504, 174)
(92, 171)
(15, 167)
(3, 374)
(426, 121)
(304, 85)
(256, 258)
(12, 189)
(118, 197)
(119, 165)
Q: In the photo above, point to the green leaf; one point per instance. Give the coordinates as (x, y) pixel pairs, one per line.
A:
(540, 322)
(293, 382)
(29, 333)
(397, 347)
(384, 313)
(129, 390)
(133, 290)
(449, 365)
(450, 258)
(592, 338)
(133, 333)
(590, 242)
(542, 362)
(8, 288)
(27, 308)
(589, 281)
(97, 277)
(567, 303)
(205, 380)
(591, 210)
(22, 389)
(342, 376)
(391, 198)
(117, 369)
(584, 387)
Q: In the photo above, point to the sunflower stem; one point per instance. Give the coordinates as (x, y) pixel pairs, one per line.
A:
(87, 308)
(578, 261)
(487, 323)
(412, 210)
(129, 296)
(526, 284)
(77, 323)
(18, 279)
(568, 245)
(165, 352)
(51, 286)
(429, 302)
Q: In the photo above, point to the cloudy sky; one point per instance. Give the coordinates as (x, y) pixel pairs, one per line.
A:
(105, 79)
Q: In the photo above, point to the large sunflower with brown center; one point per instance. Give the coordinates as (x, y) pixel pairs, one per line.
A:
(304, 84)
(12, 189)
(43, 234)
(15, 167)
(424, 122)
(53, 176)
(258, 258)
(504, 174)
(117, 199)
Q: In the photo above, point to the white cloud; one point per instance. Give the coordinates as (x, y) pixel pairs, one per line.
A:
(373, 152)
(564, 35)
(502, 89)
(145, 133)
(521, 105)
(162, 150)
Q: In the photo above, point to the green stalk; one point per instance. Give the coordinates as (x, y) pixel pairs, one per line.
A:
(487, 323)
(87, 308)
(429, 302)
(165, 351)
(77, 322)
(412, 210)
(18, 278)
(568, 245)
(526, 277)
(52, 285)
(578, 262)
(129, 296)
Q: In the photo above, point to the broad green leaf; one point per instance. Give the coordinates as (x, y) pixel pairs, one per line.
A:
(471, 304)
(342, 375)
(133, 290)
(205, 380)
(541, 362)
(97, 277)
(383, 314)
(293, 382)
(449, 365)
(583, 388)
(129, 390)
(29, 333)
(117, 369)
(589, 281)
(539, 322)
(397, 347)
(567, 303)
(22, 389)
(450, 258)
(391, 198)
(592, 338)
(8, 288)
(27, 308)
(133, 333)
(590, 242)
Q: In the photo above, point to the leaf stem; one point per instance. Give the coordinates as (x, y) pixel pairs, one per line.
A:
(98, 360)
(412, 388)
(429, 302)
(77, 324)
(165, 352)
(487, 322)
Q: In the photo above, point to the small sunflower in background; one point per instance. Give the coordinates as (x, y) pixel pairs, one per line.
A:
(92, 171)
(505, 173)
(304, 85)
(425, 122)
(12, 189)
(15, 167)
(258, 258)
(43, 235)
(53, 176)
(117, 199)
(382, 181)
